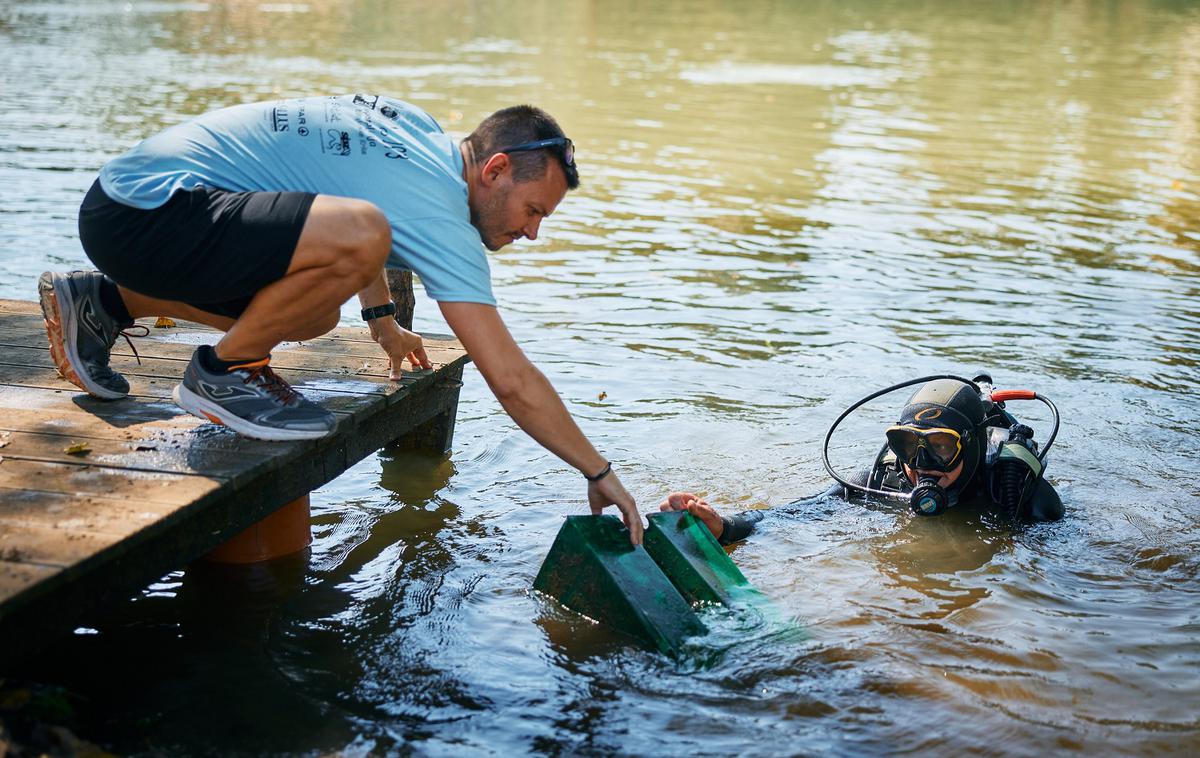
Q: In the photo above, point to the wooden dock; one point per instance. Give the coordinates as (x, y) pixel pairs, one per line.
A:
(100, 498)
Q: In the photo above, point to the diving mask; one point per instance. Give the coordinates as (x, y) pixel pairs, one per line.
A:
(926, 449)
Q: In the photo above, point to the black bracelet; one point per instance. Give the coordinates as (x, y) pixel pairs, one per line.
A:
(379, 311)
(603, 473)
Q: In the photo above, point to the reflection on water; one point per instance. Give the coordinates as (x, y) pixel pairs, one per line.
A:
(784, 206)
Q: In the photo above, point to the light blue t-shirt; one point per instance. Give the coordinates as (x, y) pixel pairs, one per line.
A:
(363, 146)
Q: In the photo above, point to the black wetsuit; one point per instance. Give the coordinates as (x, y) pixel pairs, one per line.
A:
(979, 491)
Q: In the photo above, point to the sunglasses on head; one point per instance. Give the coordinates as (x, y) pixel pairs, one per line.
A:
(566, 149)
(942, 447)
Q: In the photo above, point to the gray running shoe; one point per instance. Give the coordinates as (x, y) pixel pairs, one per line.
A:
(81, 332)
(252, 400)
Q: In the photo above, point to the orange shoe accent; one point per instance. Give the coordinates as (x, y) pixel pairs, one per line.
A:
(54, 336)
(285, 531)
(214, 419)
(260, 363)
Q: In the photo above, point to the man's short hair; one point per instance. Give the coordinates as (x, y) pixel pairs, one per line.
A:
(517, 125)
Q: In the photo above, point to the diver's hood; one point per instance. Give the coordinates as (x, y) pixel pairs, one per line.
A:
(945, 403)
(951, 404)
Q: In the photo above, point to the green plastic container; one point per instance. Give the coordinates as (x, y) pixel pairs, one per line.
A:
(593, 570)
(695, 562)
(652, 592)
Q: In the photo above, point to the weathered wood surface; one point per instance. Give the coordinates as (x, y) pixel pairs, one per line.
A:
(158, 487)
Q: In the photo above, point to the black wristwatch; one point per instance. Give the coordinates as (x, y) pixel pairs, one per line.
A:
(378, 311)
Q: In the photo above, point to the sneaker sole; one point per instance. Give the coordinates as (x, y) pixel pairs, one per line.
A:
(62, 330)
(210, 411)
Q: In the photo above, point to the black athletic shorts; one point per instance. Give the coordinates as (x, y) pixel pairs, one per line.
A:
(205, 247)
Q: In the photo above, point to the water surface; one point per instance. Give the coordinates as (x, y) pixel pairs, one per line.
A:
(785, 206)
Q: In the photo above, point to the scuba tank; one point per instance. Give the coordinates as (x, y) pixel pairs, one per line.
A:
(1017, 471)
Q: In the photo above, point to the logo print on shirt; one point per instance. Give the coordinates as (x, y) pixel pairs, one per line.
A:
(389, 112)
(367, 100)
(279, 118)
(339, 142)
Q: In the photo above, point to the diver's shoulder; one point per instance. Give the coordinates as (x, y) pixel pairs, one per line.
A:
(1045, 504)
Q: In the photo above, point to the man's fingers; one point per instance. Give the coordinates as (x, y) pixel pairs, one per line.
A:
(633, 522)
(418, 360)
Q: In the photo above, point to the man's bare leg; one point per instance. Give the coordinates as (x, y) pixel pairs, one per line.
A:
(143, 306)
(341, 250)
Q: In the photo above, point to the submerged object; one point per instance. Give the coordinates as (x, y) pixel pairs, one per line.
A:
(593, 570)
(694, 561)
(649, 592)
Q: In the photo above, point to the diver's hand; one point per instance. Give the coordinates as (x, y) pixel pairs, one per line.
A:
(609, 491)
(686, 501)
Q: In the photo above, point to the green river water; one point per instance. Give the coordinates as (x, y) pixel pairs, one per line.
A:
(785, 205)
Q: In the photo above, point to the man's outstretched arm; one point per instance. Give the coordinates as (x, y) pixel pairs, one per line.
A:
(531, 401)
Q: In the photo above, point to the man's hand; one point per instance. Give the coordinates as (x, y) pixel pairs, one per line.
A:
(686, 501)
(609, 491)
(400, 345)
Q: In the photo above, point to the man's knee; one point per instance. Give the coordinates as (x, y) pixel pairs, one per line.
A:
(318, 326)
(348, 236)
(367, 243)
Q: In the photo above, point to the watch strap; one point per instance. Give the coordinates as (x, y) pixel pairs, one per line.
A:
(379, 311)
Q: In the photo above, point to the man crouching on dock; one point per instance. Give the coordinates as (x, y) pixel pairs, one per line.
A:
(263, 219)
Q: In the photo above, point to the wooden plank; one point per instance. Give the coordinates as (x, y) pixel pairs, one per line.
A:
(112, 423)
(152, 366)
(330, 392)
(51, 546)
(100, 481)
(64, 400)
(183, 442)
(181, 341)
(169, 455)
(71, 510)
(19, 307)
(17, 576)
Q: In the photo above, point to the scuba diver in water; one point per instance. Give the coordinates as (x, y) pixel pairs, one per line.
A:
(955, 445)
